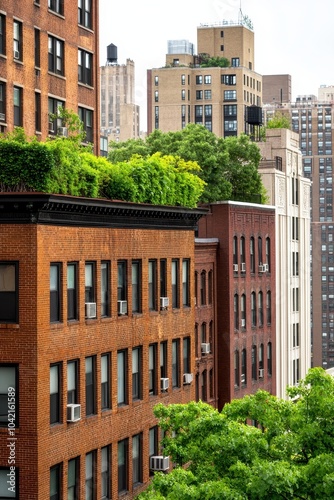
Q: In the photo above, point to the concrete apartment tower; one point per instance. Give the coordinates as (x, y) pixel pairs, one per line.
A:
(221, 99)
(282, 174)
(119, 113)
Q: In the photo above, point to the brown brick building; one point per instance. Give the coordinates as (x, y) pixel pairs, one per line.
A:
(245, 297)
(96, 324)
(49, 58)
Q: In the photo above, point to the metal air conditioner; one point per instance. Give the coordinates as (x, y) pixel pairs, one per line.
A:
(16, 54)
(243, 267)
(235, 268)
(122, 307)
(205, 348)
(90, 308)
(159, 462)
(164, 384)
(2, 117)
(164, 302)
(261, 268)
(265, 268)
(62, 131)
(187, 378)
(73, 412)
(261, 372)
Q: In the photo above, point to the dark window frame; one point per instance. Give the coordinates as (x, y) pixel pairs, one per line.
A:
(122, 465)
(56, 6)
(72, 292)
(2, 34)
(9, 298)
(137, 459)
(85, 67)
(137, 373)
(90, 385)
(105, 381)
(85, 15)
(18, 106)
(105, 289)
(55, 292)
(122, 378)
(56, 471)
(73, 385)
(56, 56)
(55, 394)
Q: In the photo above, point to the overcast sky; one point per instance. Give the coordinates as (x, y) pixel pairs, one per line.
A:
(293, 37)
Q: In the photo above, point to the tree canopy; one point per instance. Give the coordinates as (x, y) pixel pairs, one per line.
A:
(286, 454)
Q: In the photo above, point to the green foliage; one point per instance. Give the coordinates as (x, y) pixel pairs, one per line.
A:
(215, 62)
(72, 122)
(279, 120)
(288, 455)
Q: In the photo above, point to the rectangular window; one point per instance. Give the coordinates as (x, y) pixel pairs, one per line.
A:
(86, 116)
(186, 355)
(199, 95)
(73, 478)
(2, 34)
(55, 292)
(8, 394)
(72, 291)
(56, 6)
(176, 363)
(90, 386)
(38, 125)
(17, 41)
(163, 278)
(72, 382)
(85, 67)
(55, 394)
(121, 281)
(137, 469)
(175, 283)
(55, 482)
(207, 79)
(235, 62)
(105, 381)
(37, 48)
(136, 286)
(230, 95)
(207, 94)
(53, 108)
(153, 444)
(123, 465)
(2, 102)
(85, 13)
(163, 360)
(90, 276)
(122, 378)
(152, 369)
(152, 285)
(136, 374)
(185, 282)
(18, 106)
(56, 56)
(230, 110)
(105, 473)
(9, 292)
(199, 79)
(105, 289)
(90, 486)
(229, 79)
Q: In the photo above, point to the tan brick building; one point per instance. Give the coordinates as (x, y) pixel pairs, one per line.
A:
(96, 322)
(49, 58)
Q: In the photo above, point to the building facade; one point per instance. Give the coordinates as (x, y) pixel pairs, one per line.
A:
(184, 92)
(35, 81)
(282, 175)
(246, 297)
(97, 321)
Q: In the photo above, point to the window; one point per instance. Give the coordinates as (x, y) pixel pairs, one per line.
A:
(269, 307)
(203, 288)
(72, 382)
(268, 253)
(235, 62)
(254, 363)
(243, 310)
(163, 278)
(85, 13)
(105, 381)
(73, 478)
(229, 79)
(207, 94)
(56, 6)
(230, 125)
(175, 283)
(244, 367)
(105, 473)
(260, 304)
(153, 444)
(183, 95)
(136, 286)
(8, 395)
(90, 487)
(183, 79)
(210, 286)
(53, 107)
(236, 311)
(55, 394)
(2, 102)
(269, 358)
(253, 309)
(38, 124)
(122, 465)
(122, 378)
(136, 373)
(156, 96)
(235, 250)
(156, 117)
(9, 292)
(90, 386)
(37, 48)
(259, 240)
(261, 363)
(236, 369)
(185, 283)
(199, 79)
(55, 293)
(55, 482)
(18, 106)
(230, 95)
(199, 95)
(186, 355)
(137, 471)
(2, 34)
(105, 288)
(176, 363)
(207, 79)
(85, 65)
(56, 56)
(156, 80)
(72, 291)
(163, 359)
(242, 250)
(17, 41)
(152, 369)
(86, 116)
(252, 255)
(152, 280)
(121, 281)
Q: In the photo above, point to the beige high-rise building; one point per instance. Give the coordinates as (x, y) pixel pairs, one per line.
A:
(226, 100)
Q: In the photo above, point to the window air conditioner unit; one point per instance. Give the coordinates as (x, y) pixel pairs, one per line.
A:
(265, 268)
(261, 373)
(187, 378)
(164, 384)
(164, 302)
(90, 308)
(122, 307)
(235, 268)
(2, 117)
(159, 462)
(261, 268)
(62, 131)
(243, 267)
(243, 379)
(51, 127)
(16, 54)
(243, 323)
(205, 348)
(73, 412)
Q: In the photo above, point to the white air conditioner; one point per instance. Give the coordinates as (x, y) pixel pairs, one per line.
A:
(122, 307)
(159, 462)
(73, 412)
(265, 268)
(205, 348)
(62, 131)
(90, 308)
(51, 127)
(16, 54)
(261, 268)
(2, 117)
(243, 379)
(187, 378)
(164, 302)
(235, 268)
(243, 267)
(243, 323)
(164, 384)
(261, 373)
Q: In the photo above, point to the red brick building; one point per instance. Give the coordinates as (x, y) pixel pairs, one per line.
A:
(96, 325)
(245, 299)
(49, 58)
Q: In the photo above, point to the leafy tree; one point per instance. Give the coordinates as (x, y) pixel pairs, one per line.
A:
(279, 120)
(217, 455)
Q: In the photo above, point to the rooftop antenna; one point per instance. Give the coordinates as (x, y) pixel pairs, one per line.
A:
(241, 17)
